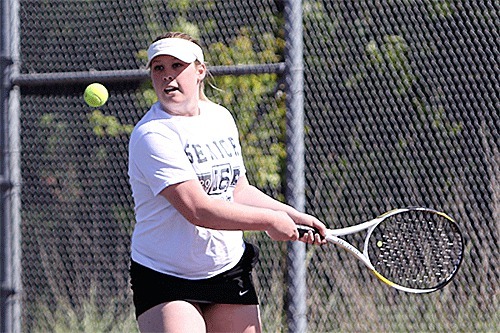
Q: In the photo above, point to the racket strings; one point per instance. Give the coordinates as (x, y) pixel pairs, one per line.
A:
(416, 249)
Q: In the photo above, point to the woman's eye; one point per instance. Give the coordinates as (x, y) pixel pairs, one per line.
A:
(158, 67)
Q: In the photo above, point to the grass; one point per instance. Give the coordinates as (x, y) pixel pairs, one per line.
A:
(87, 318)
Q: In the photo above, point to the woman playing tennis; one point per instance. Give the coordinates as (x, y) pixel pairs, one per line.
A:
(191, 269)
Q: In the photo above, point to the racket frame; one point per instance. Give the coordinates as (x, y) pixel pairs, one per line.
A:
(332, 236)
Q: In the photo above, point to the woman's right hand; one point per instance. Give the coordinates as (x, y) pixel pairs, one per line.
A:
(283, 228)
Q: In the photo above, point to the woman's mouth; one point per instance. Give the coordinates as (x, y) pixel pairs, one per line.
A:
(170, 89)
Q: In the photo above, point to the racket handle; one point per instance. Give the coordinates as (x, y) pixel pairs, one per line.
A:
(304, 229)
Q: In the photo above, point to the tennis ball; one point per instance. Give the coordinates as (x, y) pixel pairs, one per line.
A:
(95, 95)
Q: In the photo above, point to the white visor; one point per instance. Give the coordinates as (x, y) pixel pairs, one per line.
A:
(180, 48)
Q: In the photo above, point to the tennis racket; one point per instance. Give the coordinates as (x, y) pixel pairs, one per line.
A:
(416, 250)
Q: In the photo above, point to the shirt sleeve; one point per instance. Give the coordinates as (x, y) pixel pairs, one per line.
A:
(161, 161)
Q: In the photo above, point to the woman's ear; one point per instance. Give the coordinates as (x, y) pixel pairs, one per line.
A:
(201, 70)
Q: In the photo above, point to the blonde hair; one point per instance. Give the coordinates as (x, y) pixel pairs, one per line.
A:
(176, 34)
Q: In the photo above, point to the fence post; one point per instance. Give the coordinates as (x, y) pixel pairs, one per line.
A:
(295, 183)
(10, 173)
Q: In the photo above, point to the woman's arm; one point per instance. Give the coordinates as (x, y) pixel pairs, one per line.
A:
(247, 194)
(199, 208)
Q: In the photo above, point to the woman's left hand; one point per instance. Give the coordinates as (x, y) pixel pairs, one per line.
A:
(311, 221)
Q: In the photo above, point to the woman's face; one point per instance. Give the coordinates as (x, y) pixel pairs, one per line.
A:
(176, 84)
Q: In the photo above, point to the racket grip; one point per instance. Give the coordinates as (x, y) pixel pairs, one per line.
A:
(304, 229)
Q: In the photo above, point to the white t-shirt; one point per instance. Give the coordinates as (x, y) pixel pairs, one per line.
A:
(166, 150)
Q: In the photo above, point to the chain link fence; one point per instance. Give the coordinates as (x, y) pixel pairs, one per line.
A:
(401, 109)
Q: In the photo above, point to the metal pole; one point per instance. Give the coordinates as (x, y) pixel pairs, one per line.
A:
(10, 174)
(131, 75)
(295, 182)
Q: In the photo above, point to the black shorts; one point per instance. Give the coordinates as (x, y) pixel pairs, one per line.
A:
(235, 286)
